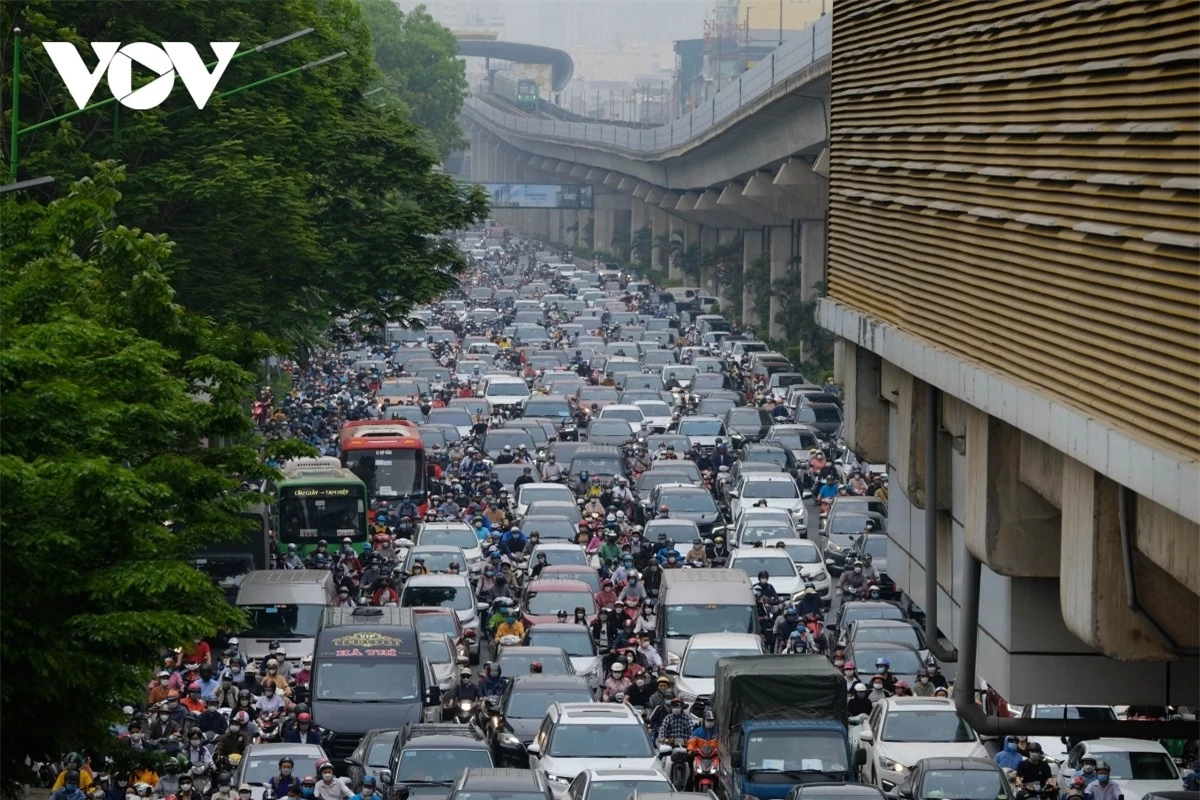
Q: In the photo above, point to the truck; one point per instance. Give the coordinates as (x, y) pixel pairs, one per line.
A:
(781, 721)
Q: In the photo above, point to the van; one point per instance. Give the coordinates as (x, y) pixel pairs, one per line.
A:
(285, 606)
(368, 673)
(695, 601)
(504, 390)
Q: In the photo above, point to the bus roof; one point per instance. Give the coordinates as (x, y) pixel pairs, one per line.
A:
(317, 477)
(397, 434)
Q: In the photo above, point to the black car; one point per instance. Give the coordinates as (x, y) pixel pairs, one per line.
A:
(825, 419)
(821, 790)
(514, 719)
(840, 533)
(769, 453)
(372, 754)
(960, 778)
(865, 609)
(502, 784)
(747, 425)
(426, 759)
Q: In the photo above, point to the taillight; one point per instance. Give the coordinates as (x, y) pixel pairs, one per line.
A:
(469, 633)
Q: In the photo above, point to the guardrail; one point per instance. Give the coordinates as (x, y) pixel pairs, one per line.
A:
(815, 43)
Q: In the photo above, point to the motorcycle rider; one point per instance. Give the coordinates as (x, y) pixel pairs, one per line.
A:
(859, 702)
(698, 553)
(70, 789)
(552, 470)
(1087, 768)
(328, 787)
(236, 739)
(706, 731)
(366, 789)
(270, 703)
(853, 578)
(675, 728)
(883, 670)
(765, 588)
(304, 732)
(616, 682)
(1007, 757)
(285, 780)
(212, 719)
(1033, 774)
(606, 597)
(465, 689)
(493, 683)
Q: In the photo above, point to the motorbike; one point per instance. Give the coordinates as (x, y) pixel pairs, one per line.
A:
(461, 712)
(706, 764)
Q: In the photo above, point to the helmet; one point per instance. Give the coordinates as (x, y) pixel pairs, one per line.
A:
(883, 662)
(858, 687)
(618, 667)
(323, 765)
(241, 718)
(286, 760)
(1103, 765)
(368, 780)
(304, 717)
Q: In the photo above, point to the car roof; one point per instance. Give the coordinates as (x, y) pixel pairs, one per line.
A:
(1123, 745)
(560, 627)
(765, 476)
(558, 585)
(958, 762)
(736, 641)
(548, 682)
(625, 773)
(539, 650)
(583, 713)
(893, 646)
(555, 545)
(759, 552)
(284, 749)
(439, 579)
(499, 779)
(919, 703)
(875, 622)
(837, 789)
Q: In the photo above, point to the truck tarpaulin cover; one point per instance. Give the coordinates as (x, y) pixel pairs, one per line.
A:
(777, 687)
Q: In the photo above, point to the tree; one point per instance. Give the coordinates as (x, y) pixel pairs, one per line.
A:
(798, 320)
(421, 69)
(642, 247)
(292, 203)
(114, 400)
(757, 282)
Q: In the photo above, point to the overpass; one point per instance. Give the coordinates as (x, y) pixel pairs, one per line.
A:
(742, 163)
(562, 67)
(997, 269)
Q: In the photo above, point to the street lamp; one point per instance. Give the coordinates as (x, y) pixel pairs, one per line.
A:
(15, 131)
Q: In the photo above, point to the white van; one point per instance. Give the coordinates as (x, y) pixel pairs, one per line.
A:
(504, 390)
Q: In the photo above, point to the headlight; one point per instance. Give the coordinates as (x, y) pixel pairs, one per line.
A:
(559, 778)
(891, 766)
(820, 576)
(833, 546)
(507, 739)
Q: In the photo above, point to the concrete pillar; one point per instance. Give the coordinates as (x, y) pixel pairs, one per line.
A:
(812, 255)
(866, 411)
(660, 224)
(605, 222)
(476, 155)
(752, 249)
(587, 229)
(570, 220)
(639, 217)
(781, 254)
(556, 225)
(676, 232)
(1008, 525)
(708, 241)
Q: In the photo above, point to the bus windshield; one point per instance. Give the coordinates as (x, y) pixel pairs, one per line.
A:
(308, 514)
(388, 473)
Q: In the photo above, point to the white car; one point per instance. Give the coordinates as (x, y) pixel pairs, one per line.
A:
(759, 524)
(807, 558)
(1140, 766)
(444, 591)
(776, 562)
(605, 784)
(530, 493)
(558, 553)
(578, 736)
(694, 675)
(902, 730)
(454, 534)
(703, 430)
(1053, 746)
(769, 490)
(630, 413)
(657, 415)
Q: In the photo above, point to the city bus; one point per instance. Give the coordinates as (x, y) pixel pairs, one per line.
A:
(388, 456)
(317, 500)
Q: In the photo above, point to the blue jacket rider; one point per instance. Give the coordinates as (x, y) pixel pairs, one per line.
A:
(513, 542)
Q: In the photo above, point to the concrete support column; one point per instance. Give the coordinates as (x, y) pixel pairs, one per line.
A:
(587, 229)
(556, 225)
(752, 250)
(812, 255)
(866, 411)
(476, 155)
(676, 229)
(726, 236)
(708, 241)
(605, 220)
(781, 254)
(570, 219)
(660, 225)
(639, 216)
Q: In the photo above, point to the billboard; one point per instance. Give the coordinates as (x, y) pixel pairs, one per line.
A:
(539, 195)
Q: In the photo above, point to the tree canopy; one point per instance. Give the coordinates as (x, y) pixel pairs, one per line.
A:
(293, 202)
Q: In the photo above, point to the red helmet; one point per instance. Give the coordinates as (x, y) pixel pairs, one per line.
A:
(304, 716)
(241, 718)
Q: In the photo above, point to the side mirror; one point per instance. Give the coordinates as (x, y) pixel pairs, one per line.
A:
(353, 761)
(534, 748)
(860, 759)
(905, 794)
(665, 749)
(673, 669)
(866, 736)
(734, 493)
(806, 495)
(385, 776)
(735, 759)
(433, 696)
(481, 606)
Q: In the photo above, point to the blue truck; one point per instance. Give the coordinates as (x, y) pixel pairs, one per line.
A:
(781, 721)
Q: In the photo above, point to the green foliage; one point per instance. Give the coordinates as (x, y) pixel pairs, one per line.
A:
(114, 398)
(757, 281)
(291, 203)
(810, 345)
(621, 245)
(641, 249)
(421, 70)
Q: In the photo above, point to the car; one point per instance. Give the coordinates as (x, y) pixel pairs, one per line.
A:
(687, 502)
(530, 493)
(822, 790)
(427, 758)
(579, 736)
(870, 631)
(764, 520)
(657, 416)
(840, 532)
(904, 661)
(501, 784)
(620, 784)
(872, 550)
(825, 419)
(543, 598)
(851, 610)
(437, 557)
(371, 755)
(628, 413)
(703, 430)
(961, 778)
(444, 656)
(807, 558)
(767, 452)
(260, 763)
(1140, 766)
(558, 553)
(798, 438)
(516, 660)
(775, 562)
(681, 531)
(678, 466)
(900, 731)
(575, 640)
(496, 439)
(513, 718)
(555, 508)
(609, 432)
(442, 620)
(457, 416)
(1053, 746)
(573, 572)
(697, 667)
(446, 591)
(507, 474)
(747, 425)
(551, 528)
(454, 534)
(769, 490)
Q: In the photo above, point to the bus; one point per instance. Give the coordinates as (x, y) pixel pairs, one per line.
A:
(387, 455)
(317, 502)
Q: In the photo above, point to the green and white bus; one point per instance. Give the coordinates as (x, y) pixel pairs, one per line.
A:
(319, 499)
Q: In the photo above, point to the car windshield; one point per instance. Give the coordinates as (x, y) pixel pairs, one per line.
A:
(701, 662)
(768, 456)
(550, 603)
(796, 440)
(761, 531)
(450, 416)
(774, 490)
(596, 465)
(258, 770)
(436, 651)
(562, 555)
(495, 441)
(529, 494)
(436, 623)
(684, 622)
(622, 788)
(507, 389)
(456, 597)
(610, 427)
(895, 634)
(530, 704)
(848, 523)
(516, 660)
(438, 766)
(749, 417)
(282, 621)
(681, 373)
(963, 784)
(577, 644)
(819, 413)
(597, 740)
(598, 394)
(802, 551)
(627, 414)
(702, 427)
(557, 528)
(652, 409)
(771, 752)
(1074, 712)
(775, 567)
(1139, 766)
(543, 409)
(923, 726)
(877, 546)
(380, 752)
(498, 794)
(453, 537)
(437, 560)
(871, 611)
(903, 662)
(688, 502)
(367, 680)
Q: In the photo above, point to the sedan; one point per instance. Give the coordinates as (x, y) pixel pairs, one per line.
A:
(620, 784)
(807, 559)
(372, 753)
(1141, 766)
(544, 598)
(260, 763)
(775, 562)
(516, 716)
(903, 730)
(960, 778)
(609, 431)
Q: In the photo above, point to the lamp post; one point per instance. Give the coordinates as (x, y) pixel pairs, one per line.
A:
(16, 131)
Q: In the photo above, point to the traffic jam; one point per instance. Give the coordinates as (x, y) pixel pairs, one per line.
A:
(570, 534)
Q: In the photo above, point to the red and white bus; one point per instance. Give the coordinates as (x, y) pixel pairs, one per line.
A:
(387, 455)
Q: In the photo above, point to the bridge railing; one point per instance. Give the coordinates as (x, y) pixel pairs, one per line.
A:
(814, 43)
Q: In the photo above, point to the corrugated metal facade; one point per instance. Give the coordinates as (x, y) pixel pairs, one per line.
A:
(1016, 181)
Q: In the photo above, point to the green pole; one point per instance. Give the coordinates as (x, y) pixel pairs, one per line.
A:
(16, 106)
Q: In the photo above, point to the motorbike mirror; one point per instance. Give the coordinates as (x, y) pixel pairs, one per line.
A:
(665, 749)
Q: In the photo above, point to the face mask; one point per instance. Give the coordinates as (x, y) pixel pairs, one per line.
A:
(839, 663)
(1102, 777)
(327, 777)
(849, 673)
(877, 685)
(286, 771)
(1087, 768)
(677, 712)
(1011, 747)
(307, 791)
(641, 682)
(858, 570)
(233, 726)
(367, 791)
(195, 742)
(185, 786)
(925, 679)
(163, 681)
(136, 737)
(70, 787)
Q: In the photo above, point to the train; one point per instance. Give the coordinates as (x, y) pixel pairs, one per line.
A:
(520, 92)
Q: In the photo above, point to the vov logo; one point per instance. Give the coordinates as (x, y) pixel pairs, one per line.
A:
(117, 61)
